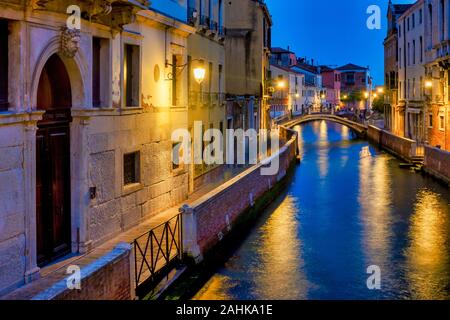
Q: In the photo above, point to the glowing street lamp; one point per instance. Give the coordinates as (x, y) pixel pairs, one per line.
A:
(281, 84)
(366, 94)
(297, 95)
(375, 95)
(199, 74)
(428, 84)
(380, 90)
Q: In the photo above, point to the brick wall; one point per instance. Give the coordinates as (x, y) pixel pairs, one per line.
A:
(437, 163)
(210, 218)
(107, 278)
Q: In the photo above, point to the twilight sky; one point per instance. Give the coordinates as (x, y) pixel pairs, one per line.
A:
(332, 32)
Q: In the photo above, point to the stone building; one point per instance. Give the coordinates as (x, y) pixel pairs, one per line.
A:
(394, 117)
(206, 49)
(331, 82)
(356, 85)
(437, 63)
(85, 126)
(247, 50)
(288, 87)
(409, 119)
(312, 85)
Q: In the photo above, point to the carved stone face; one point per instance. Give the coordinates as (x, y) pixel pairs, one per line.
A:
(70, 42)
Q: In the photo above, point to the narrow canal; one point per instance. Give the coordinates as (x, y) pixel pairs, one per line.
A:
(343, 212)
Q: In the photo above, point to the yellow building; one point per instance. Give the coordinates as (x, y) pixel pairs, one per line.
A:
(247, 46)
(206, 50)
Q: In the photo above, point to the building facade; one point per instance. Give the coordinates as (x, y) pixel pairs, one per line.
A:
(437, 56)
(312, 97)
(206, 49)
(331, 82)
(287, 93)
(394, 115)
(247, 52)
(410, 112)
(85, 126)
(356, 87)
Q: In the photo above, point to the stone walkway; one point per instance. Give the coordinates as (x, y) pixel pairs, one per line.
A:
(57, 271)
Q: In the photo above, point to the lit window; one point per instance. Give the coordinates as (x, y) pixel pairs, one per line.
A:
(441, 122)
(430, 120)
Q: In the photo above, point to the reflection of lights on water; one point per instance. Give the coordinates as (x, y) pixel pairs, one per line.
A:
(345, 133)
(375, 201)
(323, 159)
(280, 274)
(427, 257)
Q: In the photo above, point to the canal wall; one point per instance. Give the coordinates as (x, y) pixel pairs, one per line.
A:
(108, 277)
(437, 163)
(401, 147)
(211, 218)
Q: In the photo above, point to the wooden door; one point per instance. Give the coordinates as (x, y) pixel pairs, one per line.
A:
(53, 164)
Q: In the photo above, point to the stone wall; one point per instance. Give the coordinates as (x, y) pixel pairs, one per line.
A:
(401, 147)
(116, 207)
(437, 163)
(108, 278)
(207, 221)
(12, 206)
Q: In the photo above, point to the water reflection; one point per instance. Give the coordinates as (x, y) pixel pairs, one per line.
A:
(342, 213)
(428, 253)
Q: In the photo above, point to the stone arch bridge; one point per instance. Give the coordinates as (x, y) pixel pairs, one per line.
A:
(359, 128)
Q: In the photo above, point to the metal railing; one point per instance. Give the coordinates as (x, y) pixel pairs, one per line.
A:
(205, 99)
(157, 250)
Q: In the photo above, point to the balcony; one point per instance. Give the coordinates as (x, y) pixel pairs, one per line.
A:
(213, 28)
(204, 23)
(206, 99)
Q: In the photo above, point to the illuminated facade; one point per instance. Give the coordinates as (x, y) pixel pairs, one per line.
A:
(85, 127)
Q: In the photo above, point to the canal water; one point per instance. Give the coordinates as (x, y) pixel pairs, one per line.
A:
(349, 206)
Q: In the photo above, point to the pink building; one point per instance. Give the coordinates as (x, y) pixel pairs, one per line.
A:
(331, 82)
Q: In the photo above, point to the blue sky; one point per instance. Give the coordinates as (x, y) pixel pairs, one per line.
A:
(332, 32)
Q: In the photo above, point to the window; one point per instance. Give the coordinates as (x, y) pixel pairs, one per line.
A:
(441, 122)
(414, 87)
(413, 21)
(430, 121)
(420, 16)
(409, 54)
(408, 24)
(400, 31)
(4, 64)
(131, 168)
(131, 75)
(176, 155)
(96, 47)
(421, 49)
(220, 78)
(176, 79)
(414, 51)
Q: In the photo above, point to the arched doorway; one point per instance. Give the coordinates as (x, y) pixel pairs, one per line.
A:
(53, 163)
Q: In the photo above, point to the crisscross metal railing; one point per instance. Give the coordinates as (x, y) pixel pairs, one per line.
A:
(156, 250)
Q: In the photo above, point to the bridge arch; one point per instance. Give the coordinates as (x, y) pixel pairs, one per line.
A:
(359, 128)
